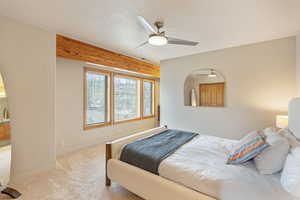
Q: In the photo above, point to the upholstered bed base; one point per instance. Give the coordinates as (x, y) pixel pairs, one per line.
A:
(146, 185)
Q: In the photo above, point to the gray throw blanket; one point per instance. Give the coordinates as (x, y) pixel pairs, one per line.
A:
(149, 152)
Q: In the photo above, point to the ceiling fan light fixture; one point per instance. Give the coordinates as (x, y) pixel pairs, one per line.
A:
(212, 74)
(157, 40)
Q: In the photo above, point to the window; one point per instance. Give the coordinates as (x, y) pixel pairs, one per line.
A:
(148, 93)
(126, 98)
(111, 98)
(96, 97)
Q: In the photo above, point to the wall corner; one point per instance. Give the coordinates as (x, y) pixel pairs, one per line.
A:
(298, 63)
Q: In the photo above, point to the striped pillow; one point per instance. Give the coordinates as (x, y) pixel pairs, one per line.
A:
(247, 148)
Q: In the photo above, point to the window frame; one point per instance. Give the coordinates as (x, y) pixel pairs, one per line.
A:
(108, 112)
(139, 96)
(110, 97)
(153, 98)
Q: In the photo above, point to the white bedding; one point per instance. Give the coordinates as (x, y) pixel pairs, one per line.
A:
(201, 165)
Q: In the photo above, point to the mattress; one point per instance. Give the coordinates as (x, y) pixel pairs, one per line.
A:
(201, 165)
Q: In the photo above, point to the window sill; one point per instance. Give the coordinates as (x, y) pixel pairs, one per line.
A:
(88, 127)
(148, 117)
(116, 123)
(128, 120)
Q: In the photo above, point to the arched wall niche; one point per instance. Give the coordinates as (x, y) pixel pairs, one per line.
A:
(5, 134)
(204, 87)
(8, 81)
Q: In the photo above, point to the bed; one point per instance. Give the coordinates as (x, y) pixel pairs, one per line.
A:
(196, 171)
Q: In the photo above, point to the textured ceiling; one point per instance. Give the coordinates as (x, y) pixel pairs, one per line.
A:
(112, 24)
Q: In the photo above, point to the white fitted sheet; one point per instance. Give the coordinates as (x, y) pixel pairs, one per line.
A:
(201, 165)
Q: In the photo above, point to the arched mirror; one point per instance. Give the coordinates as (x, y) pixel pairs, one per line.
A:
(204, 87)
(5, 147)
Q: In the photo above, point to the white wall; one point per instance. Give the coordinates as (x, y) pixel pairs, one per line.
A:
(298, 63)
(260, 80)
(69, 112)
(27, 62)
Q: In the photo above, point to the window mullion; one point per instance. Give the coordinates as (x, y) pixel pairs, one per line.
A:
(112, 100)
(153, 98)
(141, 98)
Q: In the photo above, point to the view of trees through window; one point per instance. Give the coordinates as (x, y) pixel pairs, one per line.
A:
(96, 98)
(148, 98)
(126, 98)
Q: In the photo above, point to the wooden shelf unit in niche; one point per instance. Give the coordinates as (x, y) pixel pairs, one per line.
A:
(211, 94)
(4, 131)
(204, 87)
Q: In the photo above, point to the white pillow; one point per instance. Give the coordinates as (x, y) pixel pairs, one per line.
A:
(269, 131)
(272, 159)
(290, 177)
(293, 141)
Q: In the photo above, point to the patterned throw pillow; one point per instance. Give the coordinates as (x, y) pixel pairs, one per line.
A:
(247, 148)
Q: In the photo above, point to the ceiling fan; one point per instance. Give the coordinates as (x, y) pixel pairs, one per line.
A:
(158, 38)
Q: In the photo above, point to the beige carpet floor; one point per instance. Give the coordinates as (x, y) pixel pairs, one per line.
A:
(79, 176)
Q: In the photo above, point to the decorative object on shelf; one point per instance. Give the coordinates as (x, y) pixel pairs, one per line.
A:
(2, 89)
(210, 88)
(193, 98)
(5, 114)
(282, 121)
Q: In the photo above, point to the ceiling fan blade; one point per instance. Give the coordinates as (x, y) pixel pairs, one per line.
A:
(144, 43)
(181, 42)
(146, 24)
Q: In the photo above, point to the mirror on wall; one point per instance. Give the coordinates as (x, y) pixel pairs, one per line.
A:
(5, 147)
(204, 87)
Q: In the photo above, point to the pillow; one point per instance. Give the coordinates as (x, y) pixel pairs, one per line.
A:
(269, 131)
(247, 148)
(293, 141)
(290, 177)
(272, 159)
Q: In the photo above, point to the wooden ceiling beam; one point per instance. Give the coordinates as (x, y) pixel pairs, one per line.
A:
(76, 50)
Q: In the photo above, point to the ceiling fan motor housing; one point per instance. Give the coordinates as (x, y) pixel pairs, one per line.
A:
(159, 24)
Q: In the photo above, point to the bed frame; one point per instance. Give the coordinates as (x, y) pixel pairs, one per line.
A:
(152, 187)
(143, 183)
